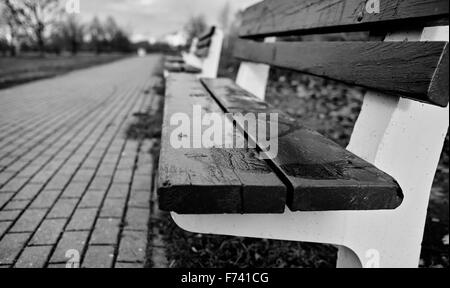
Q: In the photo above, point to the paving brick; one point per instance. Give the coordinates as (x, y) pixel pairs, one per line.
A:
(132, 247)
(118, 190)
(84, 175)
(99, 257)
(17, 205)
(45, 199)
(83, 219)
(49, 232)
(29, 221)
(58, 183)
(63, 208)
(14, 185)
(74, 190)
(3, 227)
(137, 219)
(42, 177)
(139, 199)
(33, 257)
(28, 192)
(92, 199)
(123, 176)
(5, 177)
(106, 170)
(10, 247)
(122, 265)
(142, 183)
(70, 241)
(57, 266)
(113, 208)
(4, 198)
(9, 215)
(100, 183)
(106, 232)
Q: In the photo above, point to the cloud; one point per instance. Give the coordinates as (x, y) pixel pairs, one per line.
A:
(155, 18)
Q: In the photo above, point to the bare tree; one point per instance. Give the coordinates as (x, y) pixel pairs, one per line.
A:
(73, 33)
(225, 17)
(195, 27)
(35, 17)
(96, 33)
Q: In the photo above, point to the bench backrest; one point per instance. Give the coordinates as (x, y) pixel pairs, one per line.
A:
(415, 70)
(205, 52)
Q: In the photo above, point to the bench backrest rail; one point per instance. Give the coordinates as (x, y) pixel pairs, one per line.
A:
(205, 52)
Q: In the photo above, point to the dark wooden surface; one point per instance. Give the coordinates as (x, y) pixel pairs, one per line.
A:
(178, 67)
(204, 43)
(202, 52)
(208, 34)
(401, 68)
(211, 180)
(279, 17)
(174, 59)
(321, 175)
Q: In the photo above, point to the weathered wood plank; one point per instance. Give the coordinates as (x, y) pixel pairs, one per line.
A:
(204, 43)
(177, 67)
(400, 68)
(280, 17)
(202, 52)
(208, 34)
(174, 59)
(322, 175)
(211, 180)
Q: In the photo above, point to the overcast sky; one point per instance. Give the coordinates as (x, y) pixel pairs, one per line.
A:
(154, 18)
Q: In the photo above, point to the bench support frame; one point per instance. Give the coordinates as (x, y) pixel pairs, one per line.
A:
(401, 137)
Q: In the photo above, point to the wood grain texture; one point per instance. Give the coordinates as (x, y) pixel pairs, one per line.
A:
(211, 180)
(322, 176)
(416, 70)
(202, 52)
(208, 34)
(284, 17)
(181, 67)
(204, 43)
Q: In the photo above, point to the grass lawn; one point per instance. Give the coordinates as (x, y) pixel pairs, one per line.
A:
(26, 68)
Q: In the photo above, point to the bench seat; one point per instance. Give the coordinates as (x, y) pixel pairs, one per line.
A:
(310, 172)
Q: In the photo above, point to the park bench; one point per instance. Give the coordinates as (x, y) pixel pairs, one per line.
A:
(203, 56)
(370, 199)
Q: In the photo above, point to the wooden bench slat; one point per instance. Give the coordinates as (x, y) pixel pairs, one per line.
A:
(206, 43)
(202, 52)
(208, 34)
(211, 180)
(322, 175)
(177, 67)
(283, 17)
(404, 69)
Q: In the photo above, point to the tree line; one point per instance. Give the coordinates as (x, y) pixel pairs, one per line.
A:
(45, 27)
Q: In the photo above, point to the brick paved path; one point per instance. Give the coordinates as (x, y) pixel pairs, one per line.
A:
(69, 177)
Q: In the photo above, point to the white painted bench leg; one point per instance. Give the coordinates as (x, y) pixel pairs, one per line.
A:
(210, 65)
(253, 77)
(405, 139)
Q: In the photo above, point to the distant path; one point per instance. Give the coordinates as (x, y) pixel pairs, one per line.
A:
(69, 177)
